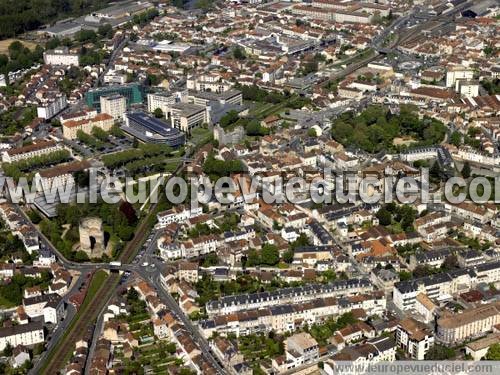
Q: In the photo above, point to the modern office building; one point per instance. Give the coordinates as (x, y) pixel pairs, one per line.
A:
(133, 93)
(149, 129)
(163, 100)
(206, 98)
(187, 116)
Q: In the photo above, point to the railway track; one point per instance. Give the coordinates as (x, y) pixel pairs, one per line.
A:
(84, 320)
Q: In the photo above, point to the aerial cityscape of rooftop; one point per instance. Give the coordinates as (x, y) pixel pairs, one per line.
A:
(249, 187)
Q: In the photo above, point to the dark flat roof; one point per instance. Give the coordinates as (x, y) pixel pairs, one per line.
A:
(153, 124)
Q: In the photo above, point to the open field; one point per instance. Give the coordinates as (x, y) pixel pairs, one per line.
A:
(4, 45)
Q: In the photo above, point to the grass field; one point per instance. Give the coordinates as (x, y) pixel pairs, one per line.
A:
(5, 304)
(4, 45)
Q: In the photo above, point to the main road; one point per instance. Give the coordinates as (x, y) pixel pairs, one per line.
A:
(152, 276)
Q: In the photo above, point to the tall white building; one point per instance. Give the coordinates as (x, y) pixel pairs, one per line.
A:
(114, 105)
(61, 56)
(414, 338)
(51, 106)
(164, 100)
(466, 88)
(186, 116)
(456, 73)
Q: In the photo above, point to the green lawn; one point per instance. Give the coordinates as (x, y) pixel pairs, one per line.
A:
(5, 304)
(258, 108)
(199, 136)
(153, 354)
(256, 347)
(97, 280)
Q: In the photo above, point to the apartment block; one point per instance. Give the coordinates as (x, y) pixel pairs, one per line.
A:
(230, 304)
(471, 323)
(113, 105)
(22, 334)
(102, 121)
(30, 151)
(414, 338)
(61, 56)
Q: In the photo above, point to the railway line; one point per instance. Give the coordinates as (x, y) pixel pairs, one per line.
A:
(85, 318)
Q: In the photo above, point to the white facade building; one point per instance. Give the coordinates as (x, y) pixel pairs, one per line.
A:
(61, 56)
(456, 73)
(50, 107)
(22, 334)
(114, 105)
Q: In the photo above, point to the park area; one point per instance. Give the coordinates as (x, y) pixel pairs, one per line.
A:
(4, 45)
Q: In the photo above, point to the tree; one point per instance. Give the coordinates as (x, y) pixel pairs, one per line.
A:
(329, 275)
(219, 168)
(39, 348)
(254, 128)
(210, 260)
(312, 133)
(85, 36)
(158, 113)
(203, 4)
(106, 31)
(384, 217)
(81, 256)
(99, 134)
(422, 271)
(375, 128)
(488, 50)
(152, 80)
(7, 351)
(450, 262)
(12, 293)
(270, 254)
(300, 242)
(132, 295)
(288, 256)
(229, 118)
(440, 353)
(405, 275)
(171, 348)
(456, 138)
(493, 353)
(436, 171)
(239, 53)
(466, 170)
(406, 215)
(253, 258)
(4, 60)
